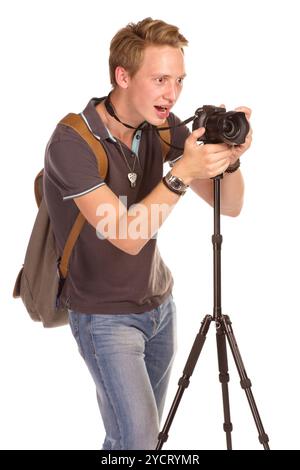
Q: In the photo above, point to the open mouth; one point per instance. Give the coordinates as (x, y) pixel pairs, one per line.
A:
(162, 111)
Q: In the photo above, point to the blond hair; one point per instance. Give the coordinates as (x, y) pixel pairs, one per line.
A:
(128, 45)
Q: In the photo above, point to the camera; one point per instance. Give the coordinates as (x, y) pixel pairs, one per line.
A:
(230, 127)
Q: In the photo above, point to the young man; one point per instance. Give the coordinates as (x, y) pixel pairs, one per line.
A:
(118, 290)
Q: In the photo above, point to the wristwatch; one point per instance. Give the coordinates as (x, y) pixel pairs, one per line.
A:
(175, 184)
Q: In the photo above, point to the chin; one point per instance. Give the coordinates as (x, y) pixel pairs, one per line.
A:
(157, 122)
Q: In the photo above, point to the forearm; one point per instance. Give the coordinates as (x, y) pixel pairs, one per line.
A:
(144, 219)
(232, 193)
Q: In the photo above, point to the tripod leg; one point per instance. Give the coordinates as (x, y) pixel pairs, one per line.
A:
(184, 381)
(224, 379)
(245, 381)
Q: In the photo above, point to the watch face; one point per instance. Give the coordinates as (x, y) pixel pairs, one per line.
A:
(176, 183)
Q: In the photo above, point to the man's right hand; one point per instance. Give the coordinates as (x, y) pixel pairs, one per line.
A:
(202, 161)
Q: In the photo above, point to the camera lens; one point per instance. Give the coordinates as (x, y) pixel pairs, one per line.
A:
(229, 129)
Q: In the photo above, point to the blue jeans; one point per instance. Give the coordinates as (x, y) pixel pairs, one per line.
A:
(129, 357)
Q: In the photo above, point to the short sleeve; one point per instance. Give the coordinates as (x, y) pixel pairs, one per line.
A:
(178, 137)
(72, 168)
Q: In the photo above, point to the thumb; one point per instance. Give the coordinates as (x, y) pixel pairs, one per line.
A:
(195, 135)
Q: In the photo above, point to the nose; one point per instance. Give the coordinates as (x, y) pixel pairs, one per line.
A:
(170, 92)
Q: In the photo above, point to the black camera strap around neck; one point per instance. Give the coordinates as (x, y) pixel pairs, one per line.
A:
(111, 111)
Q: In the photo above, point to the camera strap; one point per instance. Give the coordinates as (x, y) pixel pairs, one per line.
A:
(145, 126)
(110, 109)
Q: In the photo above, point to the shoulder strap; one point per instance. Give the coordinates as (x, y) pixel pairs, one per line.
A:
(70, 243)
(74, 232)
(76, 122)
(165, 139)
(38, 187)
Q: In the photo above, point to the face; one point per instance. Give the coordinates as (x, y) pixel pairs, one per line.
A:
(156, 86)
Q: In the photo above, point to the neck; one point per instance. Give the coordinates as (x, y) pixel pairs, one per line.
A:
(121, 108)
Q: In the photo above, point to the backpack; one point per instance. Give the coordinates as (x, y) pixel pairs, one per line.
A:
(43, 274)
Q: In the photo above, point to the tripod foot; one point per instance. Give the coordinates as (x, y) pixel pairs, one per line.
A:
(185, 379)
(224, 379)
(245, 381)
(264, 439)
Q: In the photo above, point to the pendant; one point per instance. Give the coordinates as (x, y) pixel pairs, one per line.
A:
(132, 178)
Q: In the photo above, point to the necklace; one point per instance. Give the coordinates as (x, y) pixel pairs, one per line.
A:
(132, 176)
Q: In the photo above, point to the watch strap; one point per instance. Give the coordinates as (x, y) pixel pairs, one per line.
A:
(234, 167)
(174, 183)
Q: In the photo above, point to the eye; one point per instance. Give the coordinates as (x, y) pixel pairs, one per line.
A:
(160, 80)
(180, 80)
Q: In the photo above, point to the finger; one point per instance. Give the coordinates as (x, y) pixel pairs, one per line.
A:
(219, 156)
(224, 167)
(214, 166)
(245, 110)
(220, 168)
(215, 148)
(222, 105)
(195, 135)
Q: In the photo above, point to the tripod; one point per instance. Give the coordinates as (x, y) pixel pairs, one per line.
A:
(223, 331)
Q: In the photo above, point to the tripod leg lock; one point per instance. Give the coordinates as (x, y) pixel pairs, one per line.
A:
(184, 381)
(264, 438)
(217, 240)
(246, 383)
(162, 437)
(227, 427)
(224, 378)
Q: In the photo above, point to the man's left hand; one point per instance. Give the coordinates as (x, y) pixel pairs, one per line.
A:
(238, 150)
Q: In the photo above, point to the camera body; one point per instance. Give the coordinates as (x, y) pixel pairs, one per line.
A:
(229, 127)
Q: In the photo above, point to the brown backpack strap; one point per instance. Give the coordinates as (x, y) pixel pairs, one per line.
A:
(38, 187)
(77, 123)
(165, 137)
(72, 239)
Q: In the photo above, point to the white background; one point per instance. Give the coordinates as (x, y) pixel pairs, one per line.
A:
(54, 58)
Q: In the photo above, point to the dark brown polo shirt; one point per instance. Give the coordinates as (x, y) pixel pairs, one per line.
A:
(102, 278)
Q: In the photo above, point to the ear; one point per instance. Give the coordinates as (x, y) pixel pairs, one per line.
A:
(122, 77)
